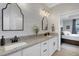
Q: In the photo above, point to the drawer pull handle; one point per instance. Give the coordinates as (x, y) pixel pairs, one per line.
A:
(44, 43)
(45, 50)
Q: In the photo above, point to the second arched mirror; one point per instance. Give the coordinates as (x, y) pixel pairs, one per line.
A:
(44, 23)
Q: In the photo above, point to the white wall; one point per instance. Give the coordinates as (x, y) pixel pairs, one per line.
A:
(31, 17)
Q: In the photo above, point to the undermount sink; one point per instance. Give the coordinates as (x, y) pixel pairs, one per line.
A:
(15, 45)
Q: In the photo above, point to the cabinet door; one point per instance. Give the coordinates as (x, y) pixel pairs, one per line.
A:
(19, 53)
(52, 45)
(32, 51)
(55, 43)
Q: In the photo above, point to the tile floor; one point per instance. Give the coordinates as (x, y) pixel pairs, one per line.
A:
(68, 50)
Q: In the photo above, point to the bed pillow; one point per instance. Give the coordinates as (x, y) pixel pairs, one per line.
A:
(67, 33)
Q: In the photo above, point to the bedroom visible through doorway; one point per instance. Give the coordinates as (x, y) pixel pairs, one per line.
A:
(69, 26)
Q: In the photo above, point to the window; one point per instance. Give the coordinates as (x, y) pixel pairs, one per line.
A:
(77, 25)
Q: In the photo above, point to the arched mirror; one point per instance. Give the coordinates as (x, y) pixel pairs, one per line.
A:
(12, 18)
(44, 23)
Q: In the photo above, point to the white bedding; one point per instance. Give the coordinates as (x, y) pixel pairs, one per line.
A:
(71, 37)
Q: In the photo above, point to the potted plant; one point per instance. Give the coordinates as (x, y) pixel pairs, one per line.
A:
(35, 30)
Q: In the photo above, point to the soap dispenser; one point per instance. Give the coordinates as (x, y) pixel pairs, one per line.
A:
(2, 41)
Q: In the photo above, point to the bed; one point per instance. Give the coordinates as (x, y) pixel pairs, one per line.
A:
(70, 38)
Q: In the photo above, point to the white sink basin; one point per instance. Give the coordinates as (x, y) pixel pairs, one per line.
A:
(15, 45)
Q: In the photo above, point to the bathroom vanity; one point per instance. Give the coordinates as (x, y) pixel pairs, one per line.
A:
(32, 46)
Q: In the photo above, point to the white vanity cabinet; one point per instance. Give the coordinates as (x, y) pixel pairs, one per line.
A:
(52, 45)
(18, 53)
(45, 48)
(32, 51)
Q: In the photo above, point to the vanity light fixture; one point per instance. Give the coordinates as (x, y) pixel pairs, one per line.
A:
(44, 12)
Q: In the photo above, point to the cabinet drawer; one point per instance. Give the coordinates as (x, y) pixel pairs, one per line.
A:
(44, 48)
(44, 52)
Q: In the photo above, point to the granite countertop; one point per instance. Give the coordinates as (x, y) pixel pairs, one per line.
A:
(30, 40)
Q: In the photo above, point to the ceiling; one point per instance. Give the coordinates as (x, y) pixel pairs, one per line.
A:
(50, 5)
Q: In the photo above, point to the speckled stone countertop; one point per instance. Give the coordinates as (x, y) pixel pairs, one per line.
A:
(30, 40)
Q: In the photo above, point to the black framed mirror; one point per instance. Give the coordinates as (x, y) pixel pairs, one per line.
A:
(12, 18)
(44, 23)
